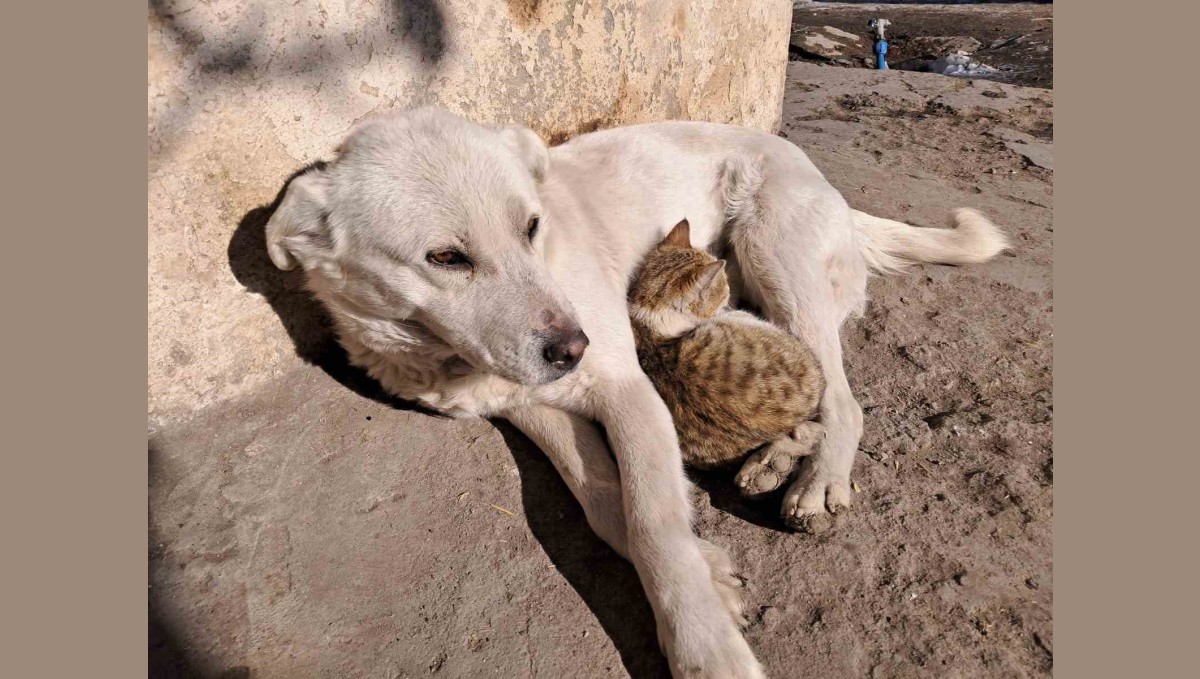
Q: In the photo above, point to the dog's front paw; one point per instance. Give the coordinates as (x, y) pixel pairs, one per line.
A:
(719, 652)
(815, 498)
(699, 628)
(729, 587)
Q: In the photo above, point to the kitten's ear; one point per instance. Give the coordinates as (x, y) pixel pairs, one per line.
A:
(709, 276)
(680, 236)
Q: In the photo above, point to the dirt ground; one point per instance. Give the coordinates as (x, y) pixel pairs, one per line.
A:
(317, 529)
(1023, 33)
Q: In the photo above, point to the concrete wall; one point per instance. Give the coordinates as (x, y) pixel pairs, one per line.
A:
(244, 92)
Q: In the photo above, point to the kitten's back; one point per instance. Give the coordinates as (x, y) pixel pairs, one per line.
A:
(733, 386)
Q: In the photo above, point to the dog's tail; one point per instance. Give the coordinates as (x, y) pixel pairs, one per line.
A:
(889, 246)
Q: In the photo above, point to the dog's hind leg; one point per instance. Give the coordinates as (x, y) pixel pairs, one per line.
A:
(822, 487)
(795, 246)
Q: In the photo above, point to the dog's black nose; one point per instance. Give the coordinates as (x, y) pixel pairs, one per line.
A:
(565, 351)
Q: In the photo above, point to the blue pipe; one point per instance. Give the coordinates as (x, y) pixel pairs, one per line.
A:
(880, 54)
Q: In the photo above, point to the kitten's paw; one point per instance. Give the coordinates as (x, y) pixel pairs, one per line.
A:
(814, 499)
(769, 468)
(765, 470)
(729, 587)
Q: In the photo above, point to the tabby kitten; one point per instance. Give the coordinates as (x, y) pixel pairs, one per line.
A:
(733, 382)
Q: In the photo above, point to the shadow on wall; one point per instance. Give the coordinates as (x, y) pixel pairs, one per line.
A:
(419, 24)
(422, 22)
(305, 320)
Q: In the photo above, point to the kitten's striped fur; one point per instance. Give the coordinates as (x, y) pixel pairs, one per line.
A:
(731, 381)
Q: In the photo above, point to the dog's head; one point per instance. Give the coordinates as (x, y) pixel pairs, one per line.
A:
(428, 225)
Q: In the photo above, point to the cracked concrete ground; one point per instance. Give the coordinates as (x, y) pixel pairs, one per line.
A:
(303, 525)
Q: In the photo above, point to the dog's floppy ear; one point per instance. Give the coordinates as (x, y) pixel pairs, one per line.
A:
(298, 230)
(680, 236)
(529, 148)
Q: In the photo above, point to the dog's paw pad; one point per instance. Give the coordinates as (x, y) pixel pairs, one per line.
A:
(813, 522)
(813, 503)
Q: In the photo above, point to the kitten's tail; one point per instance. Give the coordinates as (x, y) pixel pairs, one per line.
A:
(889, 246)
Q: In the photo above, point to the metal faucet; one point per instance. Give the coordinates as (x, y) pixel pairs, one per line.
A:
(878, 25)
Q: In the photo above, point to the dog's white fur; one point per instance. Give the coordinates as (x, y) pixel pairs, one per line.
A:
(468, 341)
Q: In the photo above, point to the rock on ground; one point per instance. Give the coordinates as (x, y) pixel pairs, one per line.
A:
(827, 42)
(309, 527)
(936, 47)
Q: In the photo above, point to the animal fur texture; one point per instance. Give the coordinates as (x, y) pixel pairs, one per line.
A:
(418, 239)
(732, 382)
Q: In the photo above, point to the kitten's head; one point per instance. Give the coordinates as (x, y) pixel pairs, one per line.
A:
(678, 283)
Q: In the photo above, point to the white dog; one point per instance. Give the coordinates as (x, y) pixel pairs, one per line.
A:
(469, 268)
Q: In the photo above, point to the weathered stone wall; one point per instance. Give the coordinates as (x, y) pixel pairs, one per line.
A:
(244, 92)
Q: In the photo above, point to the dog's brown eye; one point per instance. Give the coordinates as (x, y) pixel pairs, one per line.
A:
(532, 227)
(447, 258)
